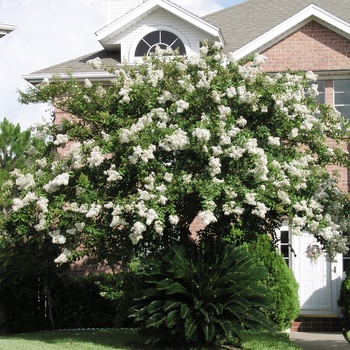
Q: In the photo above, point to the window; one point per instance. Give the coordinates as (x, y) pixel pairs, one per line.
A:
(284, 246)
(162, 39)
(320, 98)
(346, 260)
(342, 97)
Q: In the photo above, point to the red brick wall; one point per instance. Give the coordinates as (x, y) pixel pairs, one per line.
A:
(312, 47)
(316, 48)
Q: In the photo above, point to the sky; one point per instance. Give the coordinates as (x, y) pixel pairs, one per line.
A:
(50, 32)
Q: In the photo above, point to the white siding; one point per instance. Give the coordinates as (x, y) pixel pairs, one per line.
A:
(118, 8)
(160, 19)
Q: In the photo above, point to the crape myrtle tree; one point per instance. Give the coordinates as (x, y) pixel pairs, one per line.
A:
(175, 138)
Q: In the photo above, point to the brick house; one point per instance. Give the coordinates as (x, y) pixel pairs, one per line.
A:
(296, 35)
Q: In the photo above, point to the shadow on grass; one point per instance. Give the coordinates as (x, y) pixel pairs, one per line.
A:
(111, 338)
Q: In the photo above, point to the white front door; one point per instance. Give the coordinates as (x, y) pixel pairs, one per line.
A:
(319, 280)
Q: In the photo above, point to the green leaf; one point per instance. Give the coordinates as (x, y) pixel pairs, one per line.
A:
(172, 318)
(184, 311)
(170, 304)
(190, 328)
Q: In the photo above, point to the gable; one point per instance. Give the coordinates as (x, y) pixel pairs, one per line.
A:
(156, 11)
(312, 47)
(160, 19)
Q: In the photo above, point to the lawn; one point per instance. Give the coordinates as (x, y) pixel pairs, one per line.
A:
(119, 340)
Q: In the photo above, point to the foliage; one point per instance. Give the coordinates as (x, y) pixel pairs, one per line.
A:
(280, 281)
(175, 138)
(72, 302)
(201, 294)
(344, 300)
(16, 146)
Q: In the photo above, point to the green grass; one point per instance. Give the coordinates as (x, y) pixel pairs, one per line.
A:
(120, 340)
(71, 340)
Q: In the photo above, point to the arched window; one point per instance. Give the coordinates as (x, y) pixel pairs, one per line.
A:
(162, 39)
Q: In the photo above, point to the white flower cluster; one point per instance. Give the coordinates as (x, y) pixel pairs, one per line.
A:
(96, 157)
(61, 139)
(57, 237)
(93, 211)
(113, 175)
(63, 257)
(203, 135)
(56, 183)
(144, 154)
(177, 141)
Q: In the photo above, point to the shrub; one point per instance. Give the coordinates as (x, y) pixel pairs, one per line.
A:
(344, 300)
(200, 294)
(279, 280)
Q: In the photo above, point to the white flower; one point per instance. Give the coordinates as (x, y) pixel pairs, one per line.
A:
(137, 230)
(260, 210)
(231, 91)
(158, 227)
(96, 158)
(250, 198)
(54, 185)
(95, 63)
(214, 166)
(151, 216)
(181, 106)
(274, 141)
(71, 231)
(203, 135)
(42, 204)
(173, 219)
(162, 200)
(80, 226)
(113, 175)
(25, 181)
(41, 162)
(168, 177)
(187, 178)
(241, 122)
(87, 83)
(94, 211)
(207, 217)
(57, 238)
(175, 142)
(61, 138)
(63, 257)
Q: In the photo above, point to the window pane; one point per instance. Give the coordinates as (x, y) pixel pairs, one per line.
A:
(284, 237)
(321, 90)
(344, 110)
(285, 250)
(152, 38)
(342, 98)
(341, 85)
(178, 45)
(141, 49)
(163, 39)
(167, 37)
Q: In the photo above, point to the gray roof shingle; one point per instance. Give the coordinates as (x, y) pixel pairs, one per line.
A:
(242, 23)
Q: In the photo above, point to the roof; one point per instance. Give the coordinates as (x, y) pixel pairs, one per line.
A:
(245, 27)
(79, 67)
(242, 23)
(6, 28)
(148, 7)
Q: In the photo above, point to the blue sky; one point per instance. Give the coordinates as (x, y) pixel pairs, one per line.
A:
(53, 31)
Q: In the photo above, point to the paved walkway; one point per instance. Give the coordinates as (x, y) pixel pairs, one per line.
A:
(319, 341)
